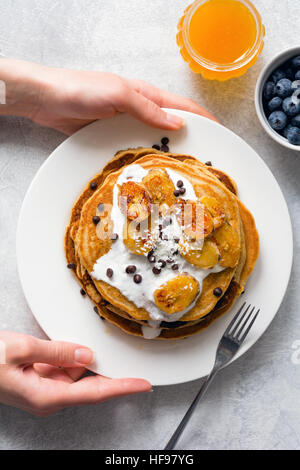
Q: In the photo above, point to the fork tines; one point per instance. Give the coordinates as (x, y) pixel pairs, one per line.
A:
(238, 334)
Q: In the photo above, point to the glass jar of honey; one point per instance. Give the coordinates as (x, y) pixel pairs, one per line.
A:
(220, 39)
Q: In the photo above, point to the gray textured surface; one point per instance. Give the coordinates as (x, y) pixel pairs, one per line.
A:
(255, 403)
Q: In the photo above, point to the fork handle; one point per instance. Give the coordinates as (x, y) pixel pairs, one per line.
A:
(173, 441)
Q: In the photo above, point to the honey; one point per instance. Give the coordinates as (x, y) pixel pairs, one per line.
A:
(220, 38)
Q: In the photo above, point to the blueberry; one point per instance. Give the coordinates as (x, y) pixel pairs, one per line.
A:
(289, 73)
(277, 120)
(295, 121)
(283, 88)
(293, 135)
(295, 85)
(286, 129)
(275, 103)
(297, 75)
(291, 105)
(278, 75)
(269, 90)
(296, 62)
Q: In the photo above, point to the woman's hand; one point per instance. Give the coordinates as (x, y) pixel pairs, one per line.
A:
(69, 99)
(42, 377)
(31, 373)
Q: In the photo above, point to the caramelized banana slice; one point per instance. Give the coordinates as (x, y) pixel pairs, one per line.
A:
(206, 258)
(134, 201)
(160, 187)
(138, 240)
(177, 294)
(228, 243)
(194, 218)
(215, 209)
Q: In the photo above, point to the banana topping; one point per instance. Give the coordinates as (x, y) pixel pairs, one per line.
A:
(194, 218)
(177, 294)
(134, 201)
(160, 187)
(215, 209)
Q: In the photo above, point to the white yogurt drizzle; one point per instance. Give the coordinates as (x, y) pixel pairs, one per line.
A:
(118, 258)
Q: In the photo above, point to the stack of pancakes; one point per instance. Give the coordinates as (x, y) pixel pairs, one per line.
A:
(232, 235)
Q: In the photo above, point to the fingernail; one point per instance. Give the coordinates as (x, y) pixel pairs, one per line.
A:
(176, 121)
(84, 356)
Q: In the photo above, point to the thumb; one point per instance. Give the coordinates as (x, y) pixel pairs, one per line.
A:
(150, 113)
(58, 353)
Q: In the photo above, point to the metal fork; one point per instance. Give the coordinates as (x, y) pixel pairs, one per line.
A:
(228, 346)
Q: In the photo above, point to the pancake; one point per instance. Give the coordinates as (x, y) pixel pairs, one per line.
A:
(84, 247)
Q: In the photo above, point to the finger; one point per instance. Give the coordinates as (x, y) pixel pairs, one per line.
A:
(148, 111)
(96, 389)
(52, 395)
(166, 99)
(28, 350)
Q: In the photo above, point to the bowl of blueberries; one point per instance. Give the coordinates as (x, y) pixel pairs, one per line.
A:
(277, 98)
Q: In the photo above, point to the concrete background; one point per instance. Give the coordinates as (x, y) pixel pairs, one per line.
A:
(253, 404)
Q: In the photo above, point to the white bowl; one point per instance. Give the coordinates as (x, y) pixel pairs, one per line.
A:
(276, 62)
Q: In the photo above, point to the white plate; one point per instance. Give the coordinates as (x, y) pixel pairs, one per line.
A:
(53, 293)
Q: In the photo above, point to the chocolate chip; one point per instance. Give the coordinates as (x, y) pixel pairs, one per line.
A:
(137, 278)
(156, 271)
(109, 273)
(165, 140)
(114, 237)
(176, 239)
(96, 220)
(131, 269)
(170, 260)
(208, 163)
(164, 148)
(93, 186)
(176, 193)
(162, 263)
(218, 292)
(82, 292)
(151, 259)
(160, 227)
(101, 207)
(175, 267)
(156, 147)
(182, 190)
(71, 266)
(96, 310)
(179, 184)
(175, 252)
